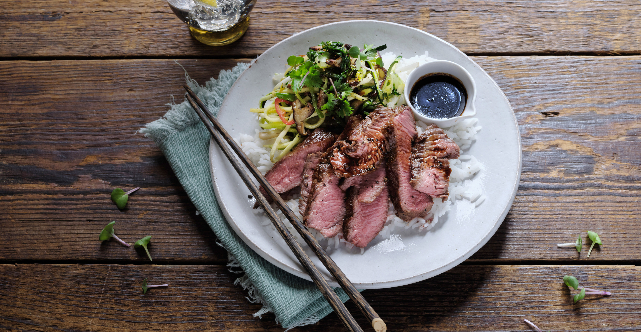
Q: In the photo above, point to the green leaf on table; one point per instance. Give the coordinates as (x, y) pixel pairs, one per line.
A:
(594, 237)
(571, 281)
(579, 244)
(143, 243)
(144, 286)
(108, 232)
(120, 197)
(580, 296)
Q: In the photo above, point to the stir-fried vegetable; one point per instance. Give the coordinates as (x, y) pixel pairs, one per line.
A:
(332, 81)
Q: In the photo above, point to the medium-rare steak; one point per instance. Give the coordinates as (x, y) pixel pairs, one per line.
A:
(408, 202)
(326, 207)
(287, 173)
(367, 144)
(430, 162)
(366, 210)
(323, 206)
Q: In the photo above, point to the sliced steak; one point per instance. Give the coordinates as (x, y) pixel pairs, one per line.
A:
(287, 173)
(408, 202)
(311, 162)
(366, 208)
(370, 185)
(434, 142)
(430, 162)
(326, 208)
(367, 144)
(323, 206)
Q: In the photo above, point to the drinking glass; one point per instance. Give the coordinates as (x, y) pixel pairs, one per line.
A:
(214, 22)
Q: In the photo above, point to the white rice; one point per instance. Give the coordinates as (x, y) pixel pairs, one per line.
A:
(464, 184)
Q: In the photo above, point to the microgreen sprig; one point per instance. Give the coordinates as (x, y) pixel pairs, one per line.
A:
(578, 244)
(143, 243)
(145, 286)
(120, 197)
(594, 237)
(572, 282)
(536, 328)
(108, 232)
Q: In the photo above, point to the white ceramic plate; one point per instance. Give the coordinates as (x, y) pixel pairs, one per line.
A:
(458, 235)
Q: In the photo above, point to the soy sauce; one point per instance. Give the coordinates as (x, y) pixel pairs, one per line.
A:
(438, 96)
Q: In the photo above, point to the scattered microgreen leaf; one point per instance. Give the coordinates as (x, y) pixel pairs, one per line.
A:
(120, 197)
(571, 281)
(108, 232)
(577, 244)
(143, 243)
(580, 296)
(145, 286)
(594, 237)
(536, 328)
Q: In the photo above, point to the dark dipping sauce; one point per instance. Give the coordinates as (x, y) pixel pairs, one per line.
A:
(438, 96)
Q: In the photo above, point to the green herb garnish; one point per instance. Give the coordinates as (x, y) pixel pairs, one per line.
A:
(143, 243)
(120, 197)
(572, 282)
(145, 286)
(577, 244)
(108, 232)
(594, 237)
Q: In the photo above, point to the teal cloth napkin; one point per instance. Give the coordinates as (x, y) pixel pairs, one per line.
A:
(185, 142)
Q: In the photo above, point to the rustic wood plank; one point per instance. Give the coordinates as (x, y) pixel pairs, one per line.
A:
(481, 298)
(68, 138)
(73, 28)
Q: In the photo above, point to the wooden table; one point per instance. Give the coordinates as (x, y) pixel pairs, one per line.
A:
(79, 78)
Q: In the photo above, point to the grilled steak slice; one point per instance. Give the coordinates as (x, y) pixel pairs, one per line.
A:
(326, 208)
(311, 162)
(287, 173)
(370, 185)
(366, 211)
(323, 206)
(430, 162)
(408, 202)
(434, 142)
(359, 152)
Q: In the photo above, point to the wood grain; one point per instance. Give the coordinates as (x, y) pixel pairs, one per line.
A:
(68, 138)
(117, 28)
(109, 298)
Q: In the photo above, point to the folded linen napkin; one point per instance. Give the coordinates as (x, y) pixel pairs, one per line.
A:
(185, 142)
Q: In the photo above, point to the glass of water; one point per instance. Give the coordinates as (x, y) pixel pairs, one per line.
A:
(214, 22)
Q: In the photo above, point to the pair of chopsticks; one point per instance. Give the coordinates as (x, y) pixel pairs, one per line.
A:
(219, 134)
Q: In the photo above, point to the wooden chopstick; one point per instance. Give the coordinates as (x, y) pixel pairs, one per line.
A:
(328, 262)
(307, 263)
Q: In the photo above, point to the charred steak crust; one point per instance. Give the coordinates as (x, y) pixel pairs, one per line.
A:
(430, 162)
(359, 152)
(408, 202)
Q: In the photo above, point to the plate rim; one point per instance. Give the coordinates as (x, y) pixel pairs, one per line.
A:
(385, 284)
